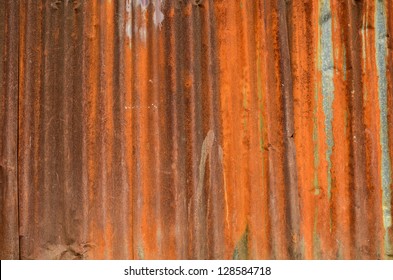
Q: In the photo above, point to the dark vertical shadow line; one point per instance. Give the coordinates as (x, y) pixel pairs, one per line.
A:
(180, 148)
(155, 72)
(214, 124)
(196, 108)
(21, 88)
(191, 147)
(85, 113)
(17, 124)
(136, 134)
(119, 102)
(175, 107)
(133, 132)
(292, 194)
(346, 37)
(359, 168)
(64, 142)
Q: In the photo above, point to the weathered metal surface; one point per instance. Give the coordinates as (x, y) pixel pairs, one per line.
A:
(196, 129)
(9, 33)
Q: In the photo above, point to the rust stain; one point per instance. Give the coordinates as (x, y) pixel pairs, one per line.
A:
(9, 208)
(190, 129)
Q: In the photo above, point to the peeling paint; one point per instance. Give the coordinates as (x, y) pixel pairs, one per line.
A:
(316, 239)
(142, 33)
(205, 151)
(241, 249)
(327, 67)
(143, 3)
(129, 21)
(221, 156)
(158, 16)
(200, 202)
(141, 253)
(381, 54)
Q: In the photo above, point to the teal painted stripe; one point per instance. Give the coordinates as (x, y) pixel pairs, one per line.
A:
(381, 54)
(327, 67)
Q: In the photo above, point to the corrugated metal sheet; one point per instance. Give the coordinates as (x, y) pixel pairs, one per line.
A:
(9, 33)
(197, 129)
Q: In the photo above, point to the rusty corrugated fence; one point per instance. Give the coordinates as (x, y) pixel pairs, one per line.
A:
(196, 129)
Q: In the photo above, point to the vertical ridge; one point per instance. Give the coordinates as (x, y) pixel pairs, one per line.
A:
(290, 151)
(9, 80)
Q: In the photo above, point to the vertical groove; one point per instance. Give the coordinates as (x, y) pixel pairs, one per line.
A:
(357, 129)
(341, 177)
(389, 74)
(290, 150)
(9, 196)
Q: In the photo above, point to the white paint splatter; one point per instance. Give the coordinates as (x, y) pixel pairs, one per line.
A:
(129, 30)
(128, 5)
(129, 21)
(144, 4)
(142, 33)
(141, 29)
(158, 16)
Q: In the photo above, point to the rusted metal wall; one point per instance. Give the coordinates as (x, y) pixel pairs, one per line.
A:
(196, 129)
(9, 38)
